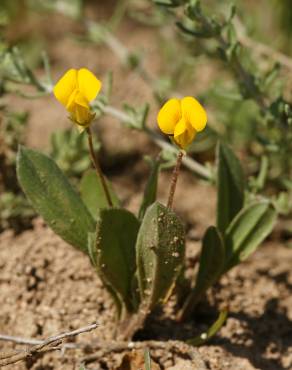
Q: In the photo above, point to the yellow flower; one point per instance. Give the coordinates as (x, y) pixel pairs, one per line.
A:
(182, 119)
(75, 90)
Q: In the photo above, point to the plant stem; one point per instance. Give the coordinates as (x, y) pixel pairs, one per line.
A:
(97, 167)
(174, 179)
(188, 306)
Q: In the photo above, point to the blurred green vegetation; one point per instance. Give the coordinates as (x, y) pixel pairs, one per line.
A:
(15, 211)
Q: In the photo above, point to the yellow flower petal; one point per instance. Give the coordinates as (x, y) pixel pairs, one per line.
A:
(76, 98)
(180, 127)
(71, 101)
(66, 86)
(169, 115)
(184, 134)
(185, 139)
(88, 85)
(82, 115)
(81, 100)
(194, 113)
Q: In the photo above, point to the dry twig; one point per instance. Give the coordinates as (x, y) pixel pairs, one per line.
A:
(50, 344)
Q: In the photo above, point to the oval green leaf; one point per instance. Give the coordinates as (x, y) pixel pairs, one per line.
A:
(230, 184)
(247, 231)
(115, 254)
(53, 197)
(160, 253)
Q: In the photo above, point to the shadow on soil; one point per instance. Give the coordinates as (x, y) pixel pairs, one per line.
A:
(271, 332)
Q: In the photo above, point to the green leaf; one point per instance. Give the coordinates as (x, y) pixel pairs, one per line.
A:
(230, 186)
(247, 231)
(211, 261)
(151, 188)
(160, 253)
(53, 197)
(115, 254)
(92, 255)
(147, 359)
(204, 337)
(93, 195)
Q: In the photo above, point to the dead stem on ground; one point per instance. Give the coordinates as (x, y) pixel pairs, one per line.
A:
(50, 344)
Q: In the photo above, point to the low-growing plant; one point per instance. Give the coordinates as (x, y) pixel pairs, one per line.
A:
(140, 257)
